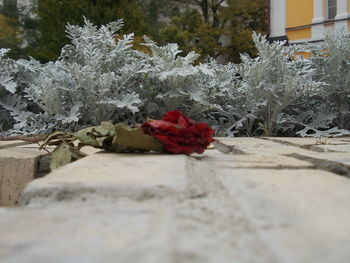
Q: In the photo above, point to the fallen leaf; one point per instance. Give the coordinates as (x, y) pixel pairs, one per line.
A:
(135, 138)
(62, 155)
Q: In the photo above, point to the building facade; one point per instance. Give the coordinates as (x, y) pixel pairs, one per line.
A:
(299, 21)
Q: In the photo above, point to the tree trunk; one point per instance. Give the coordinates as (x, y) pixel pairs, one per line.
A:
(204, 5)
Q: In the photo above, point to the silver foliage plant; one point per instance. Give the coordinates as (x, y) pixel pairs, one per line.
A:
(93, 80)
(8, 103)
(331, 62)
(99, 77)
(325, 110)
(271, 83)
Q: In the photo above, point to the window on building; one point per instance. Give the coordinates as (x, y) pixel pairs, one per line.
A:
(332, 9)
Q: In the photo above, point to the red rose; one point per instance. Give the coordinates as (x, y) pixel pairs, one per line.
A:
(180, 134)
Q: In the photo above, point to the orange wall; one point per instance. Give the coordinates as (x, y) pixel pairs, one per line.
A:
(299, 12)
(299, 34)
(303, 54)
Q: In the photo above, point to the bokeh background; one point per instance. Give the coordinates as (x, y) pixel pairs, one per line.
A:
(216, 28)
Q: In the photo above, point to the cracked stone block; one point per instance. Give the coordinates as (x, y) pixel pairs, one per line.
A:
(110, 175)
(18, 167)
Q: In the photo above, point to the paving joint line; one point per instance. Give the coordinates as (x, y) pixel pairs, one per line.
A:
(324, 164)
(309, 147)
(277, 167)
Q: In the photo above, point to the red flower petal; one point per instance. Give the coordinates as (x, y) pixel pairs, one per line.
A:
(180, 134)
(173, 116)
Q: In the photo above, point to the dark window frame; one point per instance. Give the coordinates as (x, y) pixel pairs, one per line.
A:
(331, 9)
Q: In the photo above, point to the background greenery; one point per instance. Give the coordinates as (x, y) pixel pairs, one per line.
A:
(216, 28)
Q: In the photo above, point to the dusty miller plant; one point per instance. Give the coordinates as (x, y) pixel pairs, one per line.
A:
(99, 77)
(93, 80)
(270, 83)
(8, 88)
(331, 62)
(324, 111)
(175, 82)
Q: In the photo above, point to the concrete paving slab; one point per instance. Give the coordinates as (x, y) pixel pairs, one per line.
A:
(296, 141)
(88, 150)
(36, 146)
(254, 160)
(258, 207)
(112, 175)
(340, 157)
(345, 148)
(261, 146)
(14, 143)
(85, 149)
(302, 215)
(127, 232)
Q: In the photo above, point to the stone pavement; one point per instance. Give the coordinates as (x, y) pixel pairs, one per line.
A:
(273, 200)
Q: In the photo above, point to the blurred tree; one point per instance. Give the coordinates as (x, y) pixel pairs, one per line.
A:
(196, 26)
(217, 28)
(9, 30)
(9, 34)
(242, 18)
(192, 34)
(10, 8)
(55, 14)
(17, 27)
(156, 13)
